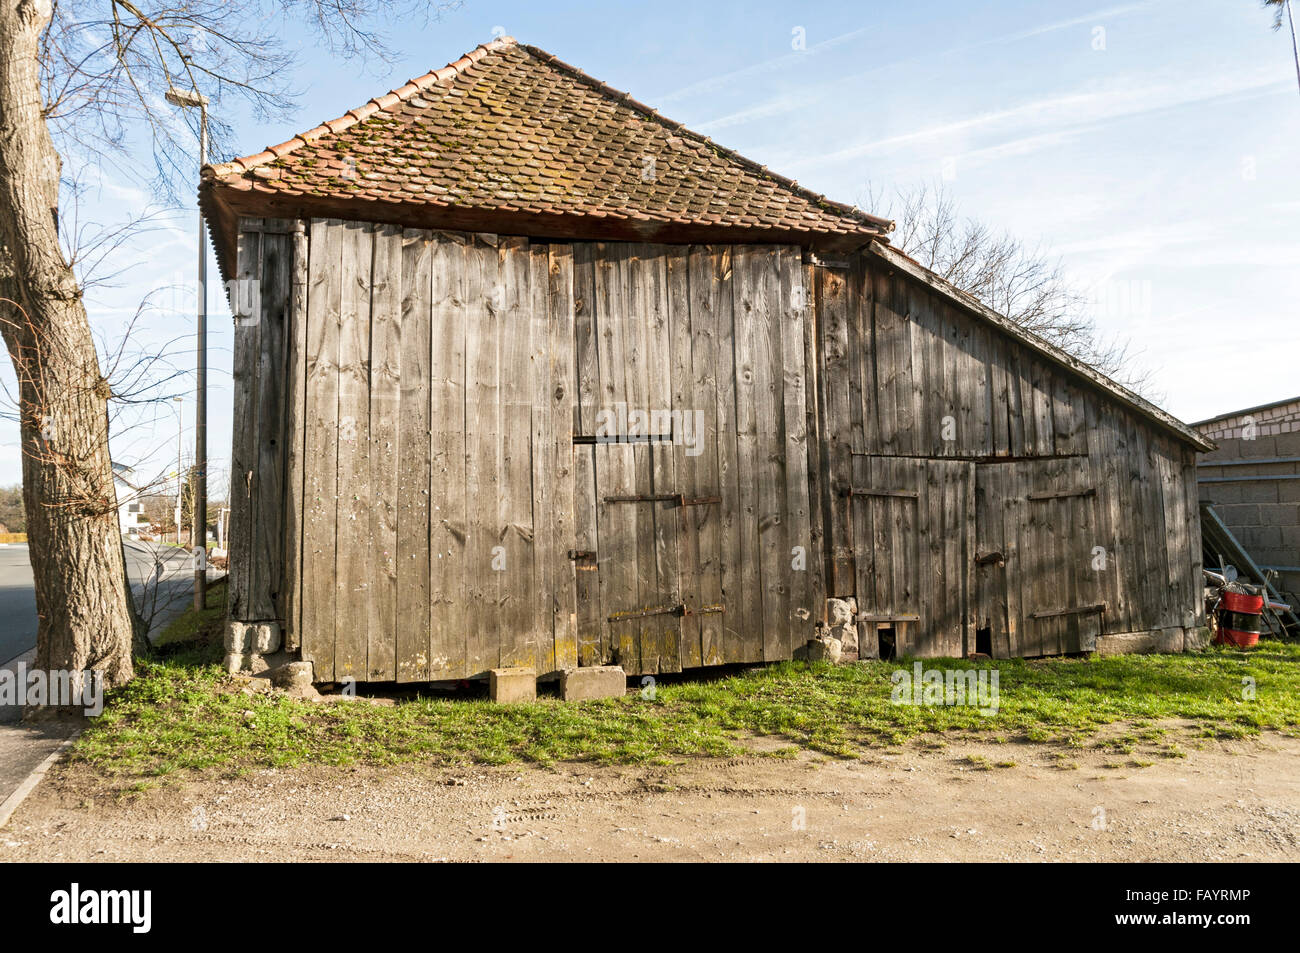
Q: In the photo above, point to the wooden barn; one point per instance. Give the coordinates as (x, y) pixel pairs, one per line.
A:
(528, 375)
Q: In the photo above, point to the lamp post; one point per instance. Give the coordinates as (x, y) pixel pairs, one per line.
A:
(180, 465)
(193, 99)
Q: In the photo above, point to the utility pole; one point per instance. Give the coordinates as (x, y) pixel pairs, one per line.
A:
(180, 462)
(1295, 51)
(190, 99)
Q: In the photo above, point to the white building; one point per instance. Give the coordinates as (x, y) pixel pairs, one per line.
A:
(130, 508)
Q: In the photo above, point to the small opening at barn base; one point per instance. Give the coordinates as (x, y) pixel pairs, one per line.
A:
(984, 641)
(886, 642)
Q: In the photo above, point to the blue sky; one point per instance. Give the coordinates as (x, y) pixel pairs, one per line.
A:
(1152, 145)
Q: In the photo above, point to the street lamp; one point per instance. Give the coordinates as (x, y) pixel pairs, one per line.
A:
(180, 464)
(192, 99)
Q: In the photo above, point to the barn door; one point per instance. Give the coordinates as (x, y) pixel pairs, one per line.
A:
(650, 609)
(913, 530)
(1037, 568)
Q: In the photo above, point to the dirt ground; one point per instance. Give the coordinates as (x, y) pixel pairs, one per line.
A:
(1228, 801)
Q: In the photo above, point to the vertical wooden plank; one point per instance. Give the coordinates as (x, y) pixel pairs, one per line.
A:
(590, 625)
(457, 303)
(772, 378)
(516, 592)
(243, 447)
(964, 548)
(1044, 429)
(925, 436)
(416, 455)
(906, 397)
(486, 558)
(641, 309)
(833, 301)
(981, 439)
(537, 390)
(812, 463)
(716, 297)
(268, 496)
(751, 378)
(352, 558)
(1020, 424)
(1013, 512)
(704, 526)
(950, 409)
(561, 585)
(651, 281)
(614, 461)
(295, 435)
(937, 579)
(385, 415)
(693, 522)
(889, 329)
(793, 317)
(999, 397)
(858, 356)
(320, 486)
(1192, 532)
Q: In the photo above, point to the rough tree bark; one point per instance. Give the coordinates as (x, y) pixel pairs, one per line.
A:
(81, 595)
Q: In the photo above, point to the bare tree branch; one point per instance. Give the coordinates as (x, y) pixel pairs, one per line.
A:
(1020, 281)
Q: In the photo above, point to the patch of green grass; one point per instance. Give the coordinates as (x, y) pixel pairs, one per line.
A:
(178, 715)
(197, 627)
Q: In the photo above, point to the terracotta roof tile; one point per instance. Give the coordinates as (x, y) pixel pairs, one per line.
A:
(510, 128)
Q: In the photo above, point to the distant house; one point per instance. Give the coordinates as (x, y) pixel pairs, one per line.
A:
(130, 516)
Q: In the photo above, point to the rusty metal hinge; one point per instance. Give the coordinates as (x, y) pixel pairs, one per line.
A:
(1063, 494)
(678, 499)
(1076, 610)
(675, 609)
(904, 494)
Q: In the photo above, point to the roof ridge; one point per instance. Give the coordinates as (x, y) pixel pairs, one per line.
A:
(362, 112)
(628, 100)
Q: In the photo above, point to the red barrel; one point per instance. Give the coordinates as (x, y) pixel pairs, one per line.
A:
(1240, 621)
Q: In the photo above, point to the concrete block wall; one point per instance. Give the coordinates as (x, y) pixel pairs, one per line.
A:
(1263, 512)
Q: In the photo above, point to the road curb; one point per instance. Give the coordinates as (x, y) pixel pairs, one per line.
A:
(12, 802)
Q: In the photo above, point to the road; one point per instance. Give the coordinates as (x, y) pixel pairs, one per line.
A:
(161, 579)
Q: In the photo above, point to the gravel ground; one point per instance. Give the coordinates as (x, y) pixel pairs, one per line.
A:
(1233, 801)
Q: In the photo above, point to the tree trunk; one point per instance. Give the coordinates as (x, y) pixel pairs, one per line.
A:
(72, 526)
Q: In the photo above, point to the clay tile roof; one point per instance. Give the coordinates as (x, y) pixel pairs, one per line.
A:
(508, 129)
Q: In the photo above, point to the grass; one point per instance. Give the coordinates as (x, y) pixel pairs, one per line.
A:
(180, 713)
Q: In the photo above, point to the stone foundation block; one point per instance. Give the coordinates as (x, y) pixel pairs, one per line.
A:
(508, 685)
(597, 681)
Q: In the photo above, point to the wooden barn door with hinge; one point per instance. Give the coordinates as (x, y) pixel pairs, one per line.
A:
(688, 527)
(648, 582)
(1037, 564)
(913, 531)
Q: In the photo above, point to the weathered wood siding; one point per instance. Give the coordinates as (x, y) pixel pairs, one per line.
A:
(455, 452)
(262, 356)
(1088, 508)
(536, 454)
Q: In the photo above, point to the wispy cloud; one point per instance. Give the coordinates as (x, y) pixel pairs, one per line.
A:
(795, 57)
(794, 101)
(1052, 120)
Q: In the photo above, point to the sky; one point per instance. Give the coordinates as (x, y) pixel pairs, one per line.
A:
(1152, 146)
